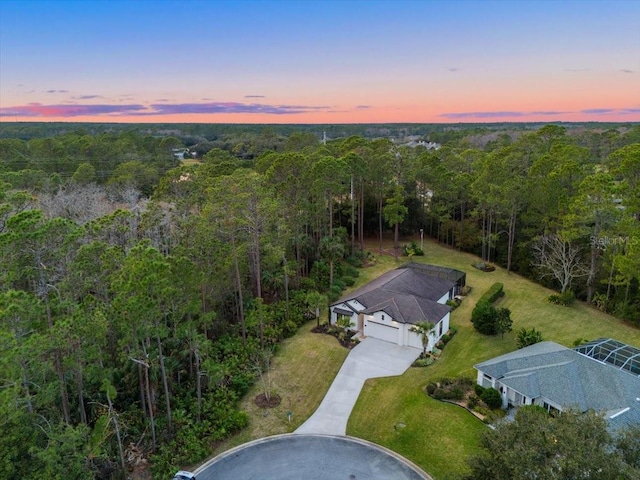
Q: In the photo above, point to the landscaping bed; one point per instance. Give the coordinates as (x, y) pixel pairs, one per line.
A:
(344, 337)
(484, 403)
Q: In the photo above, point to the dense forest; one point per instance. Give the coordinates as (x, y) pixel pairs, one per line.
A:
(140, 294)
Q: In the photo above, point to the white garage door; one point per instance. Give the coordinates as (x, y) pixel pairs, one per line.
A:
(415, 340)
(380, 331)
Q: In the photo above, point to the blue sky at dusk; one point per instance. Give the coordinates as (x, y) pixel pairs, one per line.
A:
(319, 61)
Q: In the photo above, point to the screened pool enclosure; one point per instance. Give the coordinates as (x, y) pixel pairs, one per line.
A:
(606, 350)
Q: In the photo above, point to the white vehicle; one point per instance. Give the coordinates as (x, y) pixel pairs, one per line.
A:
(184, 475)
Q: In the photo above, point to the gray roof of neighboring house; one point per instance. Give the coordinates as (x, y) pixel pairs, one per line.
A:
(570, 379)
(409, 294)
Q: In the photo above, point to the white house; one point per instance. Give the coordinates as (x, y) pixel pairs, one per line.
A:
(603, 375)
(388, 307)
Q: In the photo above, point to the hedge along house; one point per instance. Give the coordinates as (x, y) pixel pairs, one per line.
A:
(603, 375)
(389, 306)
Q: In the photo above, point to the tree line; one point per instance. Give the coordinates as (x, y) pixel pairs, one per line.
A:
(138, 294)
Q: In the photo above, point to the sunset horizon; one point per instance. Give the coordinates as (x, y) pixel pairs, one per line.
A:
(319, 62)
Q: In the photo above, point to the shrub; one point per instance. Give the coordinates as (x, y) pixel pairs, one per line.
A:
(351, 271)
(334, 293)
(348, 281)
(455, 393)
(565, 298)
(431, 388)
(485, 267)
(453, 304)
(356, 260)
(493, 416)
(446, 381)
(423, 362)
(483, 318)
(466, 382)
(494, 293)
(478, 389)
(472, 402)
(492, 398)
(528, 337)
(412, 249)
(489, 320)
(453, 331)
(439, 394)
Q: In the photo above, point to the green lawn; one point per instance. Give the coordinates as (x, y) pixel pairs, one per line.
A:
(440, 437)
(301, 374)
(394, 412)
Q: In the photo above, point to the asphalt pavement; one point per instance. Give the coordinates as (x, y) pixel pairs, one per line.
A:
(310, 457)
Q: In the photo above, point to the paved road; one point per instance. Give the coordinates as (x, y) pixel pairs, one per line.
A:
(371, 358)
(313, 457)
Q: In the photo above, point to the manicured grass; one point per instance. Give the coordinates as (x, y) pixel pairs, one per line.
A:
(436, 436)
(301, 374)
(440, 437)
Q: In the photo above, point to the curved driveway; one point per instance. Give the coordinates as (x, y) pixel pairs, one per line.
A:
(371, 358)
(319, 448)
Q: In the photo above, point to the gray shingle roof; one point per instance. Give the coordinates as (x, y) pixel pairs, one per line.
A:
(408, 294)
(570, 379)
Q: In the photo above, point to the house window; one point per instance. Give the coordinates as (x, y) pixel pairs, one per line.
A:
(440, 329)
(383, 317)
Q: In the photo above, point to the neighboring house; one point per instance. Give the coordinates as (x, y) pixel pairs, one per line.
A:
(389, 306)
(180, 153)
(602, 375)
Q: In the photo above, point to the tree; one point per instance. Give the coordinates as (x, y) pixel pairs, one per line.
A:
(394, 213)
(528, 337)
(316, 301)
(332, 250)
(261, 362)
(628, 445)
(424, 329)
(503, 321)
(592, 212)
(84, 174)
(536, 445)
(557, 257)
(490, 320)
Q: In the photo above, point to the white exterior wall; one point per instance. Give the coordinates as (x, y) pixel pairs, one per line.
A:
(444, 298)
(445, 325)
(388, 329)
(348, 305)
(334, 315)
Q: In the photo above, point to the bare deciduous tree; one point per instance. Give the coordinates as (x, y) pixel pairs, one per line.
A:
(558, 258)
(78, 203)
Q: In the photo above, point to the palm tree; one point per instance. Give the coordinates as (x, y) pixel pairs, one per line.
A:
(316, 301)
(423, 329)
(332, 250)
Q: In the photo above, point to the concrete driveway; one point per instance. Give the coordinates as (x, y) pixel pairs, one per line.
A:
(371, 358)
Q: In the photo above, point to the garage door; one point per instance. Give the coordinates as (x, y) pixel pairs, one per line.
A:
(415, 340)
(380, 331)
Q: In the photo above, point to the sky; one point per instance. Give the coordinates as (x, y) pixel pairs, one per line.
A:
(324, 61)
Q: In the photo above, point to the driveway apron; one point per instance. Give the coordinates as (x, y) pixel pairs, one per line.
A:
(371, 358)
